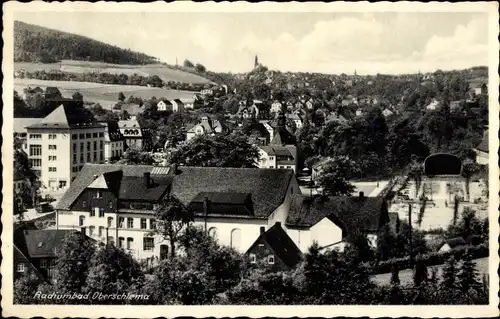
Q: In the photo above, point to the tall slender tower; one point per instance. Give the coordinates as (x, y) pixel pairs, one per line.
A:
(256, 64)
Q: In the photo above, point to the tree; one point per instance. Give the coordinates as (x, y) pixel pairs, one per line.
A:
(467, 276)
(77, 96)
(415, 172)
(395, 276)
(468, 170)
(200, 68)
(386, 241)
(188, 64)
(112, 270)
(420, 273)
(25, 288)
(73, 263)
(450, 273)
(220, 150)
(135, 157)
(121, 97)
(172, 218)
(335, 175)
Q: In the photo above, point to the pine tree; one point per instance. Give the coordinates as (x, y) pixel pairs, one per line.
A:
(450, 273)
(420, 274)
(395, 276)
(467, 277)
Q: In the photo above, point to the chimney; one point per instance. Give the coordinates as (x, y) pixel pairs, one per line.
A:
(147, 179)
(278, 224)
(262, 230)
(361, 194)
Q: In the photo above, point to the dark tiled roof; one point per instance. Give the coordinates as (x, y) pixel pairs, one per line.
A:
(113, 131)
(89, 172)
(353, 213)
(277, 150)
(455, 242)
(283, 137)
(41, 243)
(66, 116)
(133, 188)
(267, 186)
(282, 244)
(225, 203)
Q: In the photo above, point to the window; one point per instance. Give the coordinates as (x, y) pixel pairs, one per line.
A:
(43, 263)
(53, 158)
(121, 220)
(110, 221)
(102, 155)
(270, 259)
(36, 162)
(84, 203)
(148, 244)
(52, 169)
(91, 230)
(101, 231)
(82, 147)
(143, 223)
(36, 136)
(163, 252)
(101, 212)
(130, 241)
(212, 231)
(98, 194)
(95, 156)
(130, 223)
(93, 211)
(88, 157)
(121, 241)
(52, 136)
(88, 135)
(253, 258)
(101, 144)
(35, 150)
(101, 134)
(74, 137)
(110, 204)
(81, 136)
(52, 147)
(235, 238)
(74, 158)
(95, 145)
(88, 146)
(74, 147)
(152, 224)
(82, 160)
(74, 169)
(94, 135)
(20, 267)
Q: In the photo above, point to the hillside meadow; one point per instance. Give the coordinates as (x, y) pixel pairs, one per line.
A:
(104, 94)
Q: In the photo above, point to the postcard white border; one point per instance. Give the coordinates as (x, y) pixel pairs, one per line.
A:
(251, 311)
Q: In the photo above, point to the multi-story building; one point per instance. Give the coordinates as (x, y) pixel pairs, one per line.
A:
(61, 143)
(114, 141)
(206, 126)
(137, 133)
(116, 203)
(20, 130)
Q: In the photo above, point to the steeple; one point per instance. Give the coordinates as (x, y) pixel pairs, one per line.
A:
(256, 64)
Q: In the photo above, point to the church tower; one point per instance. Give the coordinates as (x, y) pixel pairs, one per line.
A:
(256, 63)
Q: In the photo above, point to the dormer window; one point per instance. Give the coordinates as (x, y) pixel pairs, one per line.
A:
(98, 194)
(270, 259)
(253, 258)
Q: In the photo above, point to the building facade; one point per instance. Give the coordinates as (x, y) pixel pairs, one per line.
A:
(114, 141)
(136, 133)
(61, 143)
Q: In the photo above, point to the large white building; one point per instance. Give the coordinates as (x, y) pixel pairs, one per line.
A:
(60, 144)
(114, 141)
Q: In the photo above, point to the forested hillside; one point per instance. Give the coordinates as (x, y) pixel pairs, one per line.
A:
(38, 44)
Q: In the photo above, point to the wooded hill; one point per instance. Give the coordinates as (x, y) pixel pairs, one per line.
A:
(33, 43)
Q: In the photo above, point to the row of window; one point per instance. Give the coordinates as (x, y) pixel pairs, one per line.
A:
(52, 158)
(39, 136)
(52, 169)
(35, 162)
(87, 135)
(89, 144)
(89, 157)
(253, 259)
(121, 220)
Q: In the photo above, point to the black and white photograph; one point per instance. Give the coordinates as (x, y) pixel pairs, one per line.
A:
(279, 155)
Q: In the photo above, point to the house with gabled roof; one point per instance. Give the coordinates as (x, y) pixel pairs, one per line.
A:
(114, 141)
(274, 250)
(482, 150)
(116, 203)
(333, 221)
(206, 126)
(137, 133)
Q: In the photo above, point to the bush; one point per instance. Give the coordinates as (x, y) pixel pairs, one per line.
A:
(433, 258)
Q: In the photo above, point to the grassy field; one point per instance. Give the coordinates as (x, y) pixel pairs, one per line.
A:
(163, 71)
(104, 94)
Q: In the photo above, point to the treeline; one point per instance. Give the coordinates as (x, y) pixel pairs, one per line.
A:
(111, 78)
(209, 274)
(38, 44)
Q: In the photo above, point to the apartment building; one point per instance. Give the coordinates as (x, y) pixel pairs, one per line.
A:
(61, 143)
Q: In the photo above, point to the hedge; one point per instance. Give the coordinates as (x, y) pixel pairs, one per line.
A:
(432, 258)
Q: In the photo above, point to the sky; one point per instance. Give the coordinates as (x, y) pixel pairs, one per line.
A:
(329, 42)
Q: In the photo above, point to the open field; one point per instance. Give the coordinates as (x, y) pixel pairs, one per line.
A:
(104, 94)
(163, 71)
(406, 276)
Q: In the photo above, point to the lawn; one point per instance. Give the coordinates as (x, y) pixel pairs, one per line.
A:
(105, 94)
(164, 72)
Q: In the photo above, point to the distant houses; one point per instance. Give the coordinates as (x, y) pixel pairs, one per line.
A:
(206, 126)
